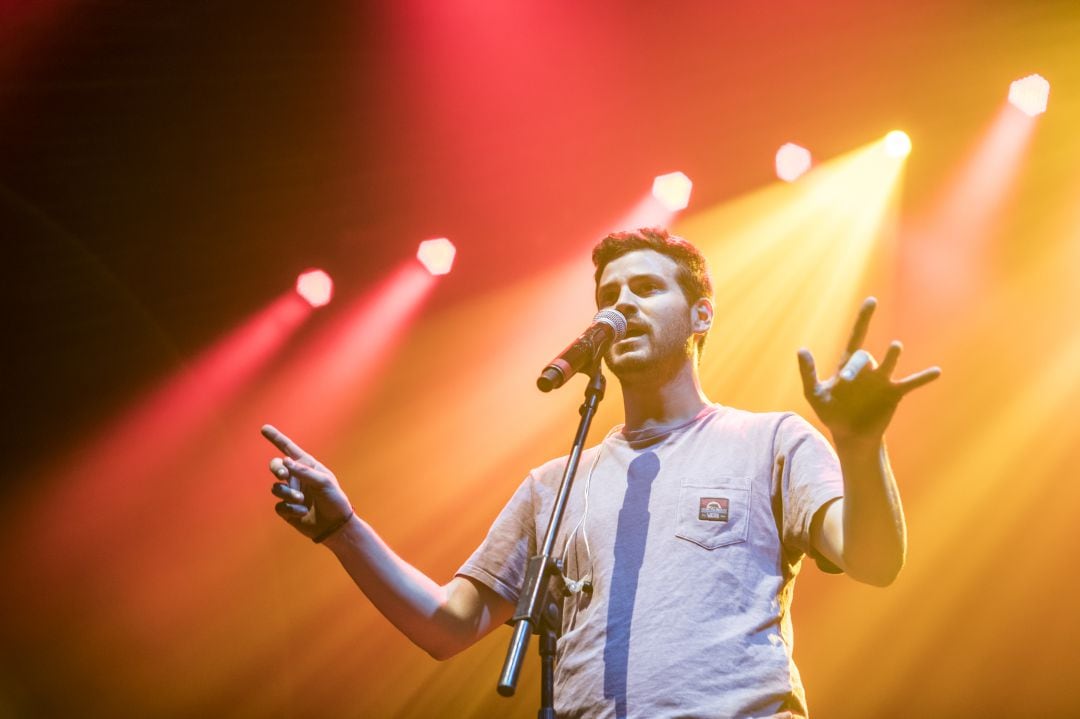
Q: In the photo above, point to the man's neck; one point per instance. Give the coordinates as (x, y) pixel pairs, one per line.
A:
(663, 402)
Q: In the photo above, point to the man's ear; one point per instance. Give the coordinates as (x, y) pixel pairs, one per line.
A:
(701, 315)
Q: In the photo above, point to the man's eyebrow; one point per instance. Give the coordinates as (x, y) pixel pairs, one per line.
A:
(633, 278)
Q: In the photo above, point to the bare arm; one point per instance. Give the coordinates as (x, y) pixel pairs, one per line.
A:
(440, 619)
(864, 533)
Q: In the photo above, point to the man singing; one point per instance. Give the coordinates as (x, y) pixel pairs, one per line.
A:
(685, 528)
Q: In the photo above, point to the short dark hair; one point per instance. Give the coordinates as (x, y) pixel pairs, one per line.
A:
(693, 271)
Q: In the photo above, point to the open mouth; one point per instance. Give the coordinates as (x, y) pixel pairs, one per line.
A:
(633, 331)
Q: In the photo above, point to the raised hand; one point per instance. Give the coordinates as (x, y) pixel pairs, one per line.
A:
(311, 498)
(859, 401)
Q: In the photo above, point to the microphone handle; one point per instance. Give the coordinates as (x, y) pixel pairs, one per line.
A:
(576, 357)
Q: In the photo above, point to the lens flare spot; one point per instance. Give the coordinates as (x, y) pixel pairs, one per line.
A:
(437, 256)
(672, 190)
(792, 162)
(316, 287)
(1030, 94)
(897, 144)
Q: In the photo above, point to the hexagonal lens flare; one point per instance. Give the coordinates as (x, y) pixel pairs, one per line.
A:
(316, 287)
(437, 256)
(672, 190)
(792, 162)
(1030, 94)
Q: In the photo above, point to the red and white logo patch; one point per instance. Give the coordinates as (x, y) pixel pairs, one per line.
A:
(713, 509)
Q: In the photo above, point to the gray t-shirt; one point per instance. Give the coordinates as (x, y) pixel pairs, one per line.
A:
(694, 538)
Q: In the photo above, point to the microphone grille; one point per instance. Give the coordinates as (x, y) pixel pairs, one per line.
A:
(615, 320)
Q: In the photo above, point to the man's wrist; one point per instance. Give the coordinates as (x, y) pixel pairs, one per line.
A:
(334, 528)
(349, 536)
(859, 445)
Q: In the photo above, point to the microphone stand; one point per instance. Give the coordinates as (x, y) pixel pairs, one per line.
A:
(536, 613)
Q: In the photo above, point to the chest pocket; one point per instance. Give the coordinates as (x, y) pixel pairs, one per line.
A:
(715, 515)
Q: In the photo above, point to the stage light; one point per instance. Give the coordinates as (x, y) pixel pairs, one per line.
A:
(1029, 94)
(792, 161)
(315, 286)
(672, 190)
(437, 256)
(897, 144)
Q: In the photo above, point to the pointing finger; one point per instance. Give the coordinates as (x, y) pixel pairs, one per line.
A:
(288, 447)
(807, 371)
(282, 442)
(888, 362)
(914, 381)
(858, 332)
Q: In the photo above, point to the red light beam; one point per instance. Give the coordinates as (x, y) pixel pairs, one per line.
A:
(112, 486)
(947, 255)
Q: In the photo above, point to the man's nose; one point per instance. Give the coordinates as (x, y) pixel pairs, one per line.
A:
(626, 302)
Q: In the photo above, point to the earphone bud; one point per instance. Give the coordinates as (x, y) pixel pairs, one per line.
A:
(576, 586)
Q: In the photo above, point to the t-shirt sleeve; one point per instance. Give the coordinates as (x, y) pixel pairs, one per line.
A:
(499, 562)
(810, 478)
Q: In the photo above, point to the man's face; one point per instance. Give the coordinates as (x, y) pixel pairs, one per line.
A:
(642, 285)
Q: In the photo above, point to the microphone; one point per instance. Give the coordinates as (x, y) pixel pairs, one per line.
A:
(607, 326)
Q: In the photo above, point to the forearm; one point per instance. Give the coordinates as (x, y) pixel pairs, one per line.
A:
(875, 535)
(411, 600)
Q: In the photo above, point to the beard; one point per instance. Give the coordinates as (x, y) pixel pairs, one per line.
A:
(666, 353)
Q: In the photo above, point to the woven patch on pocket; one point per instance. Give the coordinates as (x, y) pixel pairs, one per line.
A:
(713, 509)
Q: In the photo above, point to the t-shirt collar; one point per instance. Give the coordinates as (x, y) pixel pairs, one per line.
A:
(648, 435)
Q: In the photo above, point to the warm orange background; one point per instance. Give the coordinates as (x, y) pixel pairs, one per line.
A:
(167, 172)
